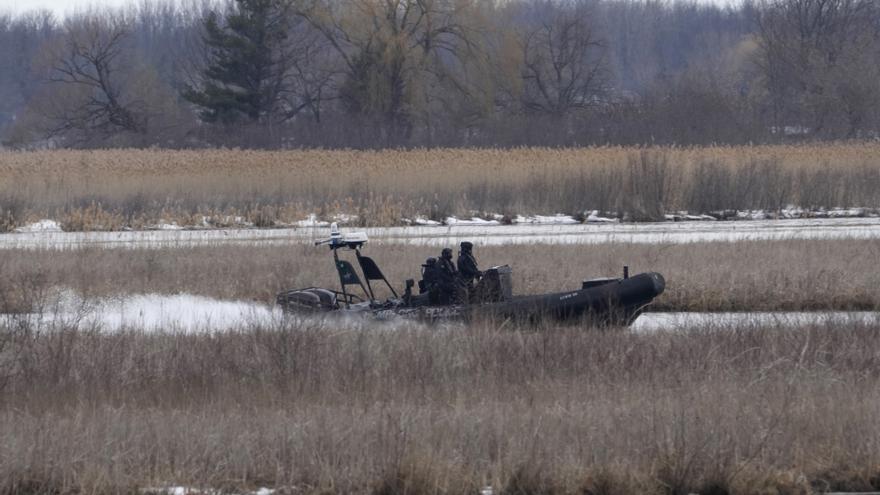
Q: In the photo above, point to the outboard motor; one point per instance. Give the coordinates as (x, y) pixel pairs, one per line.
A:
(312, 299)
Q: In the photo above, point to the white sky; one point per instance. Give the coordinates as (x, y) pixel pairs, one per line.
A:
(63, 7)
(60, 7)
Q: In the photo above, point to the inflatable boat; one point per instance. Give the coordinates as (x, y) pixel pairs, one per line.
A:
(600, 301)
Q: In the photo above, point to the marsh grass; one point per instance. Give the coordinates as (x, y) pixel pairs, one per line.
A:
(790, 275)
(114, 189)
(311, 408)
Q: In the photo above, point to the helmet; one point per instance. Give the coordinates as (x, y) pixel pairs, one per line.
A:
(446, 253)
(467, 246)
(430, 262)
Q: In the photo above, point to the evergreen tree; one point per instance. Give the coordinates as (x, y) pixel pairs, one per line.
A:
(248, 64)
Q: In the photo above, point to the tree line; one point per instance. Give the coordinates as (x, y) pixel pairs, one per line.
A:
(424, 73)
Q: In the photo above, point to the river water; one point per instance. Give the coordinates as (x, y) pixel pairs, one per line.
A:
(484, 235)
(198, 314)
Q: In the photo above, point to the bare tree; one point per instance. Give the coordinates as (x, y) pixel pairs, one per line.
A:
(392, 53)
(87, 59)
(815, 55)
(312, 79)
(564, 61)
(95, 90)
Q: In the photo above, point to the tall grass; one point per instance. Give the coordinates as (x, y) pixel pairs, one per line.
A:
(742, 276)
(108, 190)
(311, 408)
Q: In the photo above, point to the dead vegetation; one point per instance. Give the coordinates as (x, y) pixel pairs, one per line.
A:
(111, 190)
(311, 408)
(742, 276)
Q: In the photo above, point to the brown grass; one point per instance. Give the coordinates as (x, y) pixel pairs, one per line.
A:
(742, 276)
(108, 190)
(313, 409)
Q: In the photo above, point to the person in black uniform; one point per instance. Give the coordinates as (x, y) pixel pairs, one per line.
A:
(430, 282)
(467, 264)
(429, 275)
(447, 277)
(467, 270)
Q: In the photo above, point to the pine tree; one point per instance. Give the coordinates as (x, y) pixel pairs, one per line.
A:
(247, 63)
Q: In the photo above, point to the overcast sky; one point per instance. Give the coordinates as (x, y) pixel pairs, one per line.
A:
(59, 6)
(62, 7)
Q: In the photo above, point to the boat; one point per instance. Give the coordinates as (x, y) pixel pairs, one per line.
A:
(599, 301)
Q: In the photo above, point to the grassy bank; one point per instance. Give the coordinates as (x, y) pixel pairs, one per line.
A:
(110, 190)
(314, 409)
(742, 276)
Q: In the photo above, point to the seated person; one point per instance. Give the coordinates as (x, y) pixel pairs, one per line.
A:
(448, 279)
(430, 282)
(429, 275)
(467, 264)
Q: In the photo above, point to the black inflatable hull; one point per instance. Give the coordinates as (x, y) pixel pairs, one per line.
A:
(606, 302)
(617, 302)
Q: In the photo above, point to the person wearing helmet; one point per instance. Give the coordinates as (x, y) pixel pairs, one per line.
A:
(447, 276)
(467, 264)
(430, 281)
(467, 270)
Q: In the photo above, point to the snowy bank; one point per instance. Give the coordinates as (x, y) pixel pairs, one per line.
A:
(41, 226)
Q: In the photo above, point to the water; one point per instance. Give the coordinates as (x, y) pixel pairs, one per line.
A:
(640, 233)
(198, 314)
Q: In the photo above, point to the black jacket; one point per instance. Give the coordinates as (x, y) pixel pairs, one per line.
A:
(467, 266)
(446, 272)
(429, 278)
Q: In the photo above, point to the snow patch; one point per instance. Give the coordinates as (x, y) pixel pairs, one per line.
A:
(474, 221)
(683, 216)
(184, 490)
(846, 213)
(557, 219)
(594, 217)
(312, 221)
(794, 213)
(166, 226)
(425, 221)
(172, 490)
(751, 215)
(41, 226)
(222, 221)
(344, 218)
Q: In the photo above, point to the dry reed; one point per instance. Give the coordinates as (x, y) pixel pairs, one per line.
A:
(309, 408)
(109, 190)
